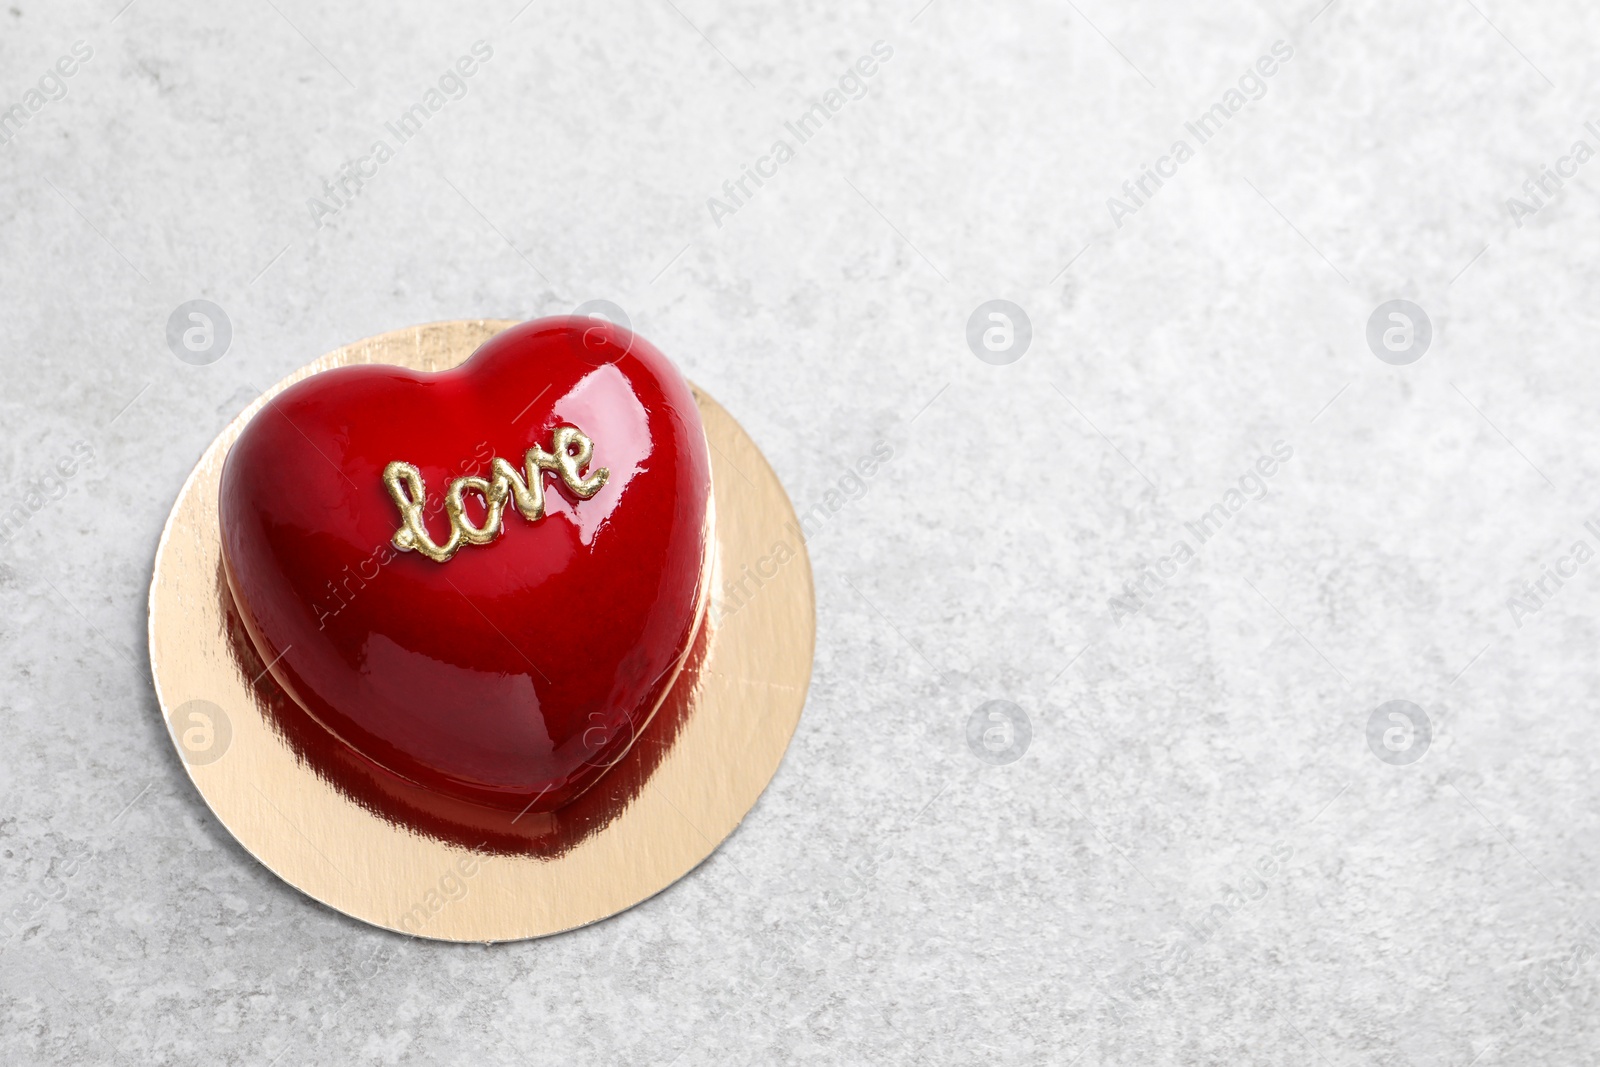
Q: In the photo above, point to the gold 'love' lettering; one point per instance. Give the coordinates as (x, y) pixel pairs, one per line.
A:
(570, 452)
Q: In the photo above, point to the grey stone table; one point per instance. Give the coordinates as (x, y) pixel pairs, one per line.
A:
(1289, 604)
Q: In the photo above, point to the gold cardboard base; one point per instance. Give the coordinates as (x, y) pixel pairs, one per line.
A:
(682, 788)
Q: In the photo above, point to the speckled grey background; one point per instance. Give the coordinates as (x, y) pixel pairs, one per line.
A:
(1200, 858)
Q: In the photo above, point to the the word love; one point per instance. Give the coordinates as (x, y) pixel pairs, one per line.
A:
(570, 452)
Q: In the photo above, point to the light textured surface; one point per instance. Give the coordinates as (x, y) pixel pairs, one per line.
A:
(892, 898)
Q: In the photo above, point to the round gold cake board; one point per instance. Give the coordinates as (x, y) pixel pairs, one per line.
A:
(735, 706)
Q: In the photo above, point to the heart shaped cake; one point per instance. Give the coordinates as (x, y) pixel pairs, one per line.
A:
(482, 580)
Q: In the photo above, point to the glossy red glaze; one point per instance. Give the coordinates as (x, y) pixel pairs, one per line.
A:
(514, 674)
